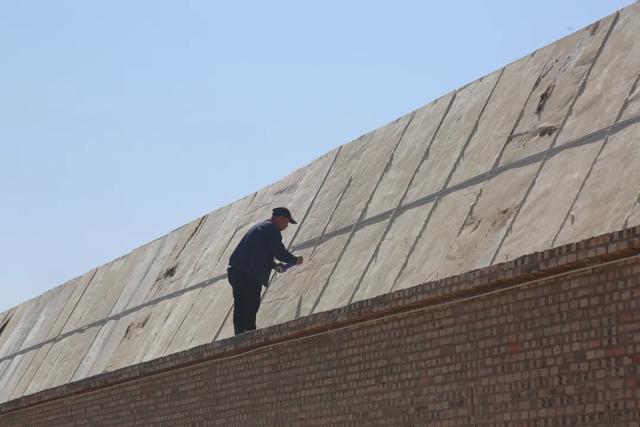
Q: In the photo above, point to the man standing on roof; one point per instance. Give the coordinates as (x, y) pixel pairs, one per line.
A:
(251, 263)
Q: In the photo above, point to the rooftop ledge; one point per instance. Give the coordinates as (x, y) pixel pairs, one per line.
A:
(590, 253)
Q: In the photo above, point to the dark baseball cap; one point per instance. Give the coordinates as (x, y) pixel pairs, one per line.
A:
(285, 213)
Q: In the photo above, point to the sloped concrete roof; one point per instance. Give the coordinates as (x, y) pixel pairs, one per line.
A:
(537, 154)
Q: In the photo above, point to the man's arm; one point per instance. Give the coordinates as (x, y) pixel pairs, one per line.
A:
(276, 247)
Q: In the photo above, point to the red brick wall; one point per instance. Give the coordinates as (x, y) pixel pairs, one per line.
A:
(551, 339)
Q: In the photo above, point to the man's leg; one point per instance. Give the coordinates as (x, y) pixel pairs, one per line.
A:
(253, 303)
(238, 307)
(239, 300)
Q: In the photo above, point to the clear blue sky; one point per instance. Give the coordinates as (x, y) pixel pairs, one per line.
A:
(122, 120)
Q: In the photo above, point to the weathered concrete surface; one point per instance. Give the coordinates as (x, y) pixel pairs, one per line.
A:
(144, 325)
(388, 194)
(409, 155)
(65, 355)
(611, 80)
(43, 309)
(137, 271)
(603, 102)
(74, 290)
(432, 245)
(177, 308)
(45, 314)
(615, 182)
(486, 173)
(488, 218)
(17, 329)
(457, 128)
(500, 116)
(4, 316)
(569, 63)
(431, 176)
(633, 218)
(332, 192)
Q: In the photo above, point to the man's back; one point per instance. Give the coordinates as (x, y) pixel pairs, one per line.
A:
(255, 252)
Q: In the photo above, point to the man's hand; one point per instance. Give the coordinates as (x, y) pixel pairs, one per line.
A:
(299, 260)
(280, 268)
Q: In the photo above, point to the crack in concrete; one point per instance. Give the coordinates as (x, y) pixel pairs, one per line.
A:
(543, 73)
(581, 89)
(625, 104)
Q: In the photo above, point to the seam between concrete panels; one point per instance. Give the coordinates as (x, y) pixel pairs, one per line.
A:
(506, 143)
(425, 156)
(16, 354)
(304, 217)
(94, 337)
(315, 196)
(308, 210)
(98, 331)
(581, 89)
(215, 279)
(328, 330)
(235, 231)
(4, 323)
(446, 183)
(177, 260)
(106, 324)
(581, 141)
(335, 209)
(53, 341)
(5, 314)
(185, 289)
(20, 340)
(625, 104)
(363, 213)
(628, 217)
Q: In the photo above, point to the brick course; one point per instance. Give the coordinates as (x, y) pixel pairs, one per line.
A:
(549, 339)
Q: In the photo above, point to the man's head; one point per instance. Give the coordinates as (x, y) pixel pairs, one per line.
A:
(281, 217)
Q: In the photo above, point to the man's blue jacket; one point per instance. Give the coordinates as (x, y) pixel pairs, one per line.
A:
(255, 253)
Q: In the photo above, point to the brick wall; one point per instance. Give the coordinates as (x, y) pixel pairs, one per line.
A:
(550, 339)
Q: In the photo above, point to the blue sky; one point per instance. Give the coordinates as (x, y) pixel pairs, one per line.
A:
(122, 120)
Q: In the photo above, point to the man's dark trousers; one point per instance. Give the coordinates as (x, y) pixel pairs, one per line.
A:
(246, 300)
